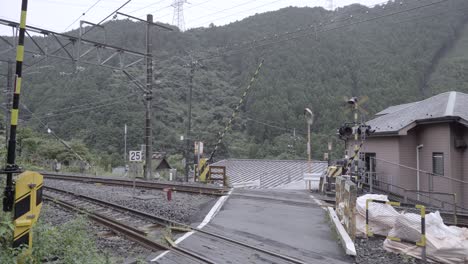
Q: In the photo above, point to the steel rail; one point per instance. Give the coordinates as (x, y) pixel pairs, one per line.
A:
(138, 183)
(168, 222)
(125, 230)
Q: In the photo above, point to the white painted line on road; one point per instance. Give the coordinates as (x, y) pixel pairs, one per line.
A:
(160, 256)
(318, 202)
(214, 210)
(345, 239)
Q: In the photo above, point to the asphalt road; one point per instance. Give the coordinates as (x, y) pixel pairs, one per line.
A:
(284, 221)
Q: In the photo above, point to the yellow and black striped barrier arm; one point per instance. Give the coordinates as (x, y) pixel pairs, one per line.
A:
(236, 110)
(11, 166)
(204, 173)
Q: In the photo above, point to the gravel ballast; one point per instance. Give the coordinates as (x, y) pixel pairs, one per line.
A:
(371, 251)
(184, 207)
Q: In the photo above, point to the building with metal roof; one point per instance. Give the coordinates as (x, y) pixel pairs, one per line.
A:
(267, 174)
(429, 136)
(399, 119)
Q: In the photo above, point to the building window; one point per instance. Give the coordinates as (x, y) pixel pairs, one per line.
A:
(438, 163)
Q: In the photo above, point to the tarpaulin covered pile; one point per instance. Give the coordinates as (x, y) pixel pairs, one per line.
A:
(445, 244)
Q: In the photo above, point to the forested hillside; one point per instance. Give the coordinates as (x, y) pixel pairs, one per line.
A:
(394, 53)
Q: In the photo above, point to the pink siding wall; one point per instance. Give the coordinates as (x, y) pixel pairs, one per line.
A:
(435, 138)
(386, 148)
(402, 149)
(457, 155)
(408, 143)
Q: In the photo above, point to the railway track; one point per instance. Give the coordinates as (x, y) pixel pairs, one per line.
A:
(146, 228)
(217, 191)
(133, 226)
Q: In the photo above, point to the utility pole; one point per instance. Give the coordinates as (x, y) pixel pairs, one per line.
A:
(188, 138)
(148, 99)
(189, 122)
(148, 91)
(125, 149)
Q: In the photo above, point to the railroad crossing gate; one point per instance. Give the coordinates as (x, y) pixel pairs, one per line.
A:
(28, 204)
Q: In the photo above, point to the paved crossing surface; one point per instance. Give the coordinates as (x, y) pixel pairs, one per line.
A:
(284, 221)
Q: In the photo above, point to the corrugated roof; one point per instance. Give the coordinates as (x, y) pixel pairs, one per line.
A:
(266, 174)
(395, 118)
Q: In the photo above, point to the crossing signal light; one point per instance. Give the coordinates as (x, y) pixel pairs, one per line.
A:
(365, 129)
(345, 130)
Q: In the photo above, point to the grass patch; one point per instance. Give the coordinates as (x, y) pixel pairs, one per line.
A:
(68, 243)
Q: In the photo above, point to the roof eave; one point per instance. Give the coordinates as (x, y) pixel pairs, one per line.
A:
(384, 134)
(404, 131)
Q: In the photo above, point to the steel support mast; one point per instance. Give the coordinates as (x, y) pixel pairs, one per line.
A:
(189, 122)
(148, 99)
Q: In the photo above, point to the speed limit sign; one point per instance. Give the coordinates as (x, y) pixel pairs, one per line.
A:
(135, 156)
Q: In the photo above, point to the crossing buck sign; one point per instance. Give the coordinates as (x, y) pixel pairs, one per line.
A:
(135, 156)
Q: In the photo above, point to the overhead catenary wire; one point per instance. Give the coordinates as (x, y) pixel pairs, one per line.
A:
(82, 15)
(50, 131)
(84, 110)
(84, 106)
(86, 31)
(145, 7)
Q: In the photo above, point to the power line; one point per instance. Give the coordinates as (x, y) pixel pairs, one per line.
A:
(145, 7)
(192, 6)
(50, 131)
(85, 106)
(300, 29)
(236, 13)
(82, 15)
(220, 11)
(87, 31)
(84, 110)
(269, 125)
(246, 10)
(311, 27)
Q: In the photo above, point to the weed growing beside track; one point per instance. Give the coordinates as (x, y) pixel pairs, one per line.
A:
(67, 243)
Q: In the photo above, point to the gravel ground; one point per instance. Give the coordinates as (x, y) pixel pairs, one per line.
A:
(371, 251)
(184, 207)
(117, 248)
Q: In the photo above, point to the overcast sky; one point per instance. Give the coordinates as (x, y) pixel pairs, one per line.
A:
(58, 15)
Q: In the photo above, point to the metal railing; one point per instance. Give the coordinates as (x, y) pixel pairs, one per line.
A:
(448, 206)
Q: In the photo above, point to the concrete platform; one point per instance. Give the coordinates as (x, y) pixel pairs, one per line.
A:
(284, 221)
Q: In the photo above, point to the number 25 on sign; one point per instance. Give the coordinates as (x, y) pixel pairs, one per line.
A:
(135, 156)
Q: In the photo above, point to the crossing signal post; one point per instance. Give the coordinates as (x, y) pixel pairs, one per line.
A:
(11, 167)
(24, 196)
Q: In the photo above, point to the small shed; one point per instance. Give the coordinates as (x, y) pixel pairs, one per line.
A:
(161, 166)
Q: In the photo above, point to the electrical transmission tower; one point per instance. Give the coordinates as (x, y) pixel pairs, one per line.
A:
(178, 18)
(330, 5)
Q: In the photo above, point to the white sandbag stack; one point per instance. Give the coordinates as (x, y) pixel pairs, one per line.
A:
(382, 216)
